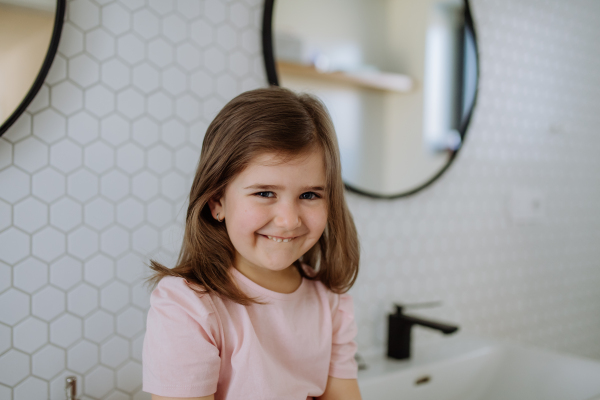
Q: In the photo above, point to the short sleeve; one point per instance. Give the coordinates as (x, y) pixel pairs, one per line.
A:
(180, 355)
(343, 365)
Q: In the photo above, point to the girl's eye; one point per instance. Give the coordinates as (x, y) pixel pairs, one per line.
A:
(303, 196)
(309, 196)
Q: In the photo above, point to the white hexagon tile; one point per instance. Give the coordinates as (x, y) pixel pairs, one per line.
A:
(94, 175)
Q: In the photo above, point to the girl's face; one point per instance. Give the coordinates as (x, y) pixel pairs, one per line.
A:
(274, 211)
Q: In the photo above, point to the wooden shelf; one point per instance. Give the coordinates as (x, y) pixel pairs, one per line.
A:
(373, 80)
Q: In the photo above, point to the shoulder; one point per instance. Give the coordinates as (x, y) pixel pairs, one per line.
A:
(180, 354)
(173, 291)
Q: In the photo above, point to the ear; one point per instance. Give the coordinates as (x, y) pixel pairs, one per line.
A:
(216, 205)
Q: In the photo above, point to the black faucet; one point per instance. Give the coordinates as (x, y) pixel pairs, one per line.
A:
(399, 329)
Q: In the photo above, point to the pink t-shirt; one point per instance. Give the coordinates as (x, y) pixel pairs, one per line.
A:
(200, 344)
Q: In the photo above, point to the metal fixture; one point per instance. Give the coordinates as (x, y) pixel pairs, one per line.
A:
(400, 325)
(71, 387)
(360, 361)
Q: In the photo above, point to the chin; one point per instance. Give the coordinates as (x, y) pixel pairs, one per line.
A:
(277, 265)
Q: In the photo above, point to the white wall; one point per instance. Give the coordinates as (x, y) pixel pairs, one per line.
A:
(94, 176)
(535, 126)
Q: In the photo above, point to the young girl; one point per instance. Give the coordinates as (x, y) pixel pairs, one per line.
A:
(256, 307)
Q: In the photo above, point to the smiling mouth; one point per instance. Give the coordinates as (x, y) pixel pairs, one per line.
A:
(279, 239)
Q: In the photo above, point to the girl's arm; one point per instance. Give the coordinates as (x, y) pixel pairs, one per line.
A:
(157, 397)
(341, 389)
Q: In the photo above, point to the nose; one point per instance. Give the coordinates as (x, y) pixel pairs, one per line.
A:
(287, 216)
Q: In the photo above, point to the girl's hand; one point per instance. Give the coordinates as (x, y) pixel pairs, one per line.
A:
(341, 389)
(157, 397)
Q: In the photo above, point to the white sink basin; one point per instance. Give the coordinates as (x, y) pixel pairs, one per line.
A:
(470, 368)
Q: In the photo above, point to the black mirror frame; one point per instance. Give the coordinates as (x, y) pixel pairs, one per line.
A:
(61, 6)
(272, 77)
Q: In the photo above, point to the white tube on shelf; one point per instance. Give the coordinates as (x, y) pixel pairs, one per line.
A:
(443, 78)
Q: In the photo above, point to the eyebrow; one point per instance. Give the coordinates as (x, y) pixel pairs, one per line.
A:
(276, 187)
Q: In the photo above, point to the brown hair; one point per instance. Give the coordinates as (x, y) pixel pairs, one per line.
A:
(256, 122)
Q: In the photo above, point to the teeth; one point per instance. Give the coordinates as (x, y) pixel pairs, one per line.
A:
(279, 240)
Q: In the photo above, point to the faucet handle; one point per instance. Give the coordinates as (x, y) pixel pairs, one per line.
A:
(410, 306)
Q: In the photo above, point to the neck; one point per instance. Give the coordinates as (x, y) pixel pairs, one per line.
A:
(284, 281)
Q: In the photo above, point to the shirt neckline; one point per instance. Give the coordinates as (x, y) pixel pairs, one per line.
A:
(255, 288)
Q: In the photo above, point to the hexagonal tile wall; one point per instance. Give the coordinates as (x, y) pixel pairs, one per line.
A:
(94, 175)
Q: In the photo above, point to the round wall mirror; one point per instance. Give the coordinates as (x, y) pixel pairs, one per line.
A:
(399, 78)
(29, 35)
